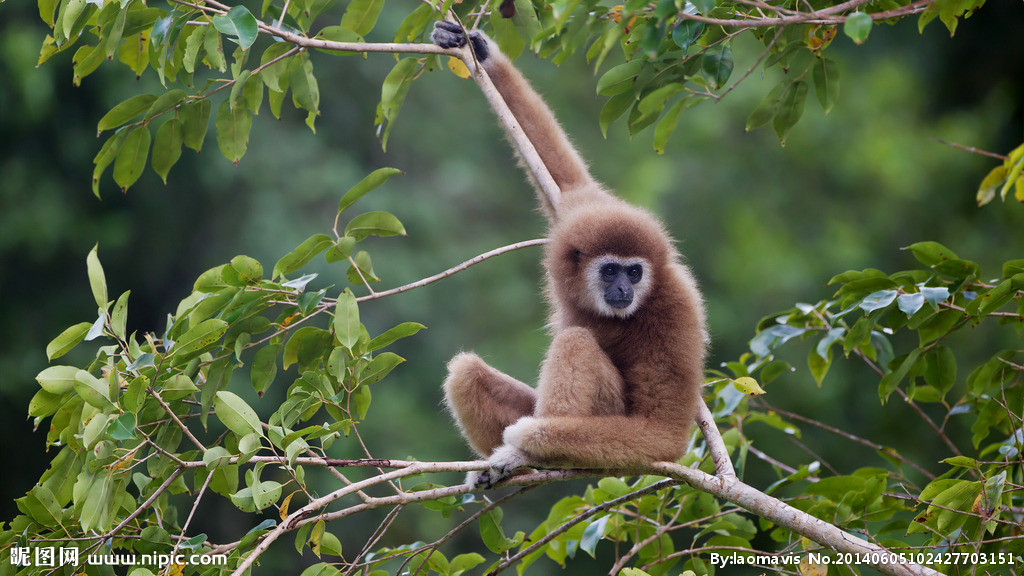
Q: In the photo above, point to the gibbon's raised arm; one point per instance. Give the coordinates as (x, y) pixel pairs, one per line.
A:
(565, 165)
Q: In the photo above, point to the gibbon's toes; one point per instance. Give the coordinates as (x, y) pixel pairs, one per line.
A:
(504, 461)
(448, 35)
(483, 480)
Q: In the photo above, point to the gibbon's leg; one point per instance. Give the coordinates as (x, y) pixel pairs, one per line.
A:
(484, 401)
(578, 383)
(553, 146)
(578, 379)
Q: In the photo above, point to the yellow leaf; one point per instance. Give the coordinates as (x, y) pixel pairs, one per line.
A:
(284, 505)
(315, 537)
(807, 569)
(748, 385)
(458, 67)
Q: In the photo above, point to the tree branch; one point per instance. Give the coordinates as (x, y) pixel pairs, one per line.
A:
(828, 535)
(455, 269)
(713, 438)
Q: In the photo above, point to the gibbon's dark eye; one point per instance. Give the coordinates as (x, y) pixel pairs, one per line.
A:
(635, 273)
(609, 272)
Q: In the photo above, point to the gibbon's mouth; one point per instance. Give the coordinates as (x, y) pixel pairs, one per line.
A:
(619, 304)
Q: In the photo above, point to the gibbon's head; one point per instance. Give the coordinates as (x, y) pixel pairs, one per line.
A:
(606, 260)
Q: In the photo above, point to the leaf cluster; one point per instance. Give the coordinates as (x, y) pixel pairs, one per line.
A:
(156, 414)
(655, 60)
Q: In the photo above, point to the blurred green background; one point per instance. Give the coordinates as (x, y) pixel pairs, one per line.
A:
(763, 226)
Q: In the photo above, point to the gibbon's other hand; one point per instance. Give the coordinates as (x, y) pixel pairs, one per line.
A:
(504, 460)
(452, 35)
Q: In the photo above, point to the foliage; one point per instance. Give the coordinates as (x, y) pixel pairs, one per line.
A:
(151, 424)
(664, 57)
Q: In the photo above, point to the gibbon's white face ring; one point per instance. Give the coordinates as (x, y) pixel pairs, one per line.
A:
(596, 285)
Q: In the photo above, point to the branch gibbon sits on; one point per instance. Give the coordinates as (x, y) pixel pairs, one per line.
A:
(620, 384)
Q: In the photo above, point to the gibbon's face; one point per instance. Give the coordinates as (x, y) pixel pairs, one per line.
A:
(618, 285)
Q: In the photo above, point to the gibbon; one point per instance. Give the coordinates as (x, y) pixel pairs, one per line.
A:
(620, 384)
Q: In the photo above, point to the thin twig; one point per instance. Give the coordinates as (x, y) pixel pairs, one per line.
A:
(971, 149)
(180, 424)
(454, 269)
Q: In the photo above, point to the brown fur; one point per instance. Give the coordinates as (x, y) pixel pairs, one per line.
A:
(614, 391)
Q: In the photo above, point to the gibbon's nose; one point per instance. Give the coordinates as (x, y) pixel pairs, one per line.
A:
(619, 295)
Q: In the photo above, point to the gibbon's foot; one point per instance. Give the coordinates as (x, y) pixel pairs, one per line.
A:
(450, 35)
(503, 462)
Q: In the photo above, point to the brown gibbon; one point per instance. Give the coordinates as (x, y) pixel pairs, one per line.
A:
(620, 384)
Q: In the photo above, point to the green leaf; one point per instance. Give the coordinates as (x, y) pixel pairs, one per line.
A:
(401, 331)
(614, 108)
(717, 65)
(464, 562)
(122, 428)
(199, 338)
(237, 97)
(362, 272)
(687, 32)
(858, 26)
(361, 15)
(94, 391)
(177, 387)
(992, 182)
(239, 23)
(619, 79)
(264, 367)
(271, 73)
(195, 119)
(305, 90)
(67, 340)
(940, 369)
(392, 95)
(492, 534)
(125, 111)
(214, 50)
(826, 83)
(166, 102)
(248, 270)
(321, 569)
(97, 281)
(337, 34)
(131, 157)
(238, 416)
(370, 182)
(791, 108)
(106, 155)
(878, 300)
(374, 223)
(767, 108)
(301, 256)
(233, 125)
(379, 367)
(72, 11)
(57, 379)
(668, 123)
(167, 147)
(346, 325)
(593, 534)
(910, 303)
(119, 317)
(892, 380)
(931, 253)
